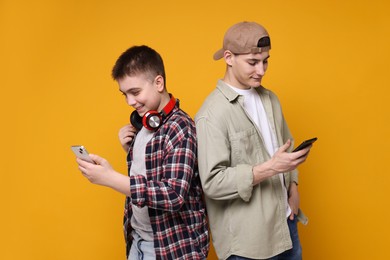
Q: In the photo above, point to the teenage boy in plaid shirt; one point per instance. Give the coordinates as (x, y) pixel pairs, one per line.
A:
(165, 216)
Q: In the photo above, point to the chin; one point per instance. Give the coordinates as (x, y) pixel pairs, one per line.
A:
(140, 113)
(254, 83)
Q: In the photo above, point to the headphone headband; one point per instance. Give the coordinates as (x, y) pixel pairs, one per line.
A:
(152, 119)
(169, 107)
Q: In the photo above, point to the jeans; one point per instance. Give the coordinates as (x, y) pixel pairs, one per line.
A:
(141, 249)
(295, 253)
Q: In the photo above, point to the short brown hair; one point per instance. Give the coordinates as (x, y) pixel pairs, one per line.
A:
(138, 60)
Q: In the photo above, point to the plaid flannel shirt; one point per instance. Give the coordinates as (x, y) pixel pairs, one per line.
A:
(172, 191)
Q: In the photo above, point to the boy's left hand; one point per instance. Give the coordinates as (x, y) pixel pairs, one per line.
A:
(293, 200)
(98, 173)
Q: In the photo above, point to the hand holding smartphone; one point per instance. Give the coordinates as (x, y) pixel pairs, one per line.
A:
(305, 144)
(81, 153)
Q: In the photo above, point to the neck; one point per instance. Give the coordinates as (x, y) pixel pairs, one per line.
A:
(164, 101)
(229, 79)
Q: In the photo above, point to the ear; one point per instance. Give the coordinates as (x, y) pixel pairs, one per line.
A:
(159, 83)
(228, 57)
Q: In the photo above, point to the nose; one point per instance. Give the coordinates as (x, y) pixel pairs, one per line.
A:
(130, 100)
(260, 69)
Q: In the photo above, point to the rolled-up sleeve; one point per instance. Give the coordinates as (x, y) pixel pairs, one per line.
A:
(219, 180)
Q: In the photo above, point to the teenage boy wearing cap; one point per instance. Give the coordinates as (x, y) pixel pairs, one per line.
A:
(247, 171)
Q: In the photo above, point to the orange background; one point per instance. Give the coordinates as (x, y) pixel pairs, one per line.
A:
(329, 67)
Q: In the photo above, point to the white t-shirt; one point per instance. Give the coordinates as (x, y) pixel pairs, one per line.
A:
(255, 109)
(140, 219)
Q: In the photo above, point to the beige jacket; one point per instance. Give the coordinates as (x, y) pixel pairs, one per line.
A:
(246, 220)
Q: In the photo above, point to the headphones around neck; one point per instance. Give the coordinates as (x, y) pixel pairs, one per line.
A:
(152, 119)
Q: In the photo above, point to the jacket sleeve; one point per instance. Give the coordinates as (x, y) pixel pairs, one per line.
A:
(219, 180)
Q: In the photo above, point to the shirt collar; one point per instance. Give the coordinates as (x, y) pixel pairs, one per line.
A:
(232, 95)
(227, 91)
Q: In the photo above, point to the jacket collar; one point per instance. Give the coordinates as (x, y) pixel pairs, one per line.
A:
(232, 95)
(227, 91)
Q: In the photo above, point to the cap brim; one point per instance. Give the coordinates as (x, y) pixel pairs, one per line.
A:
(219, 54)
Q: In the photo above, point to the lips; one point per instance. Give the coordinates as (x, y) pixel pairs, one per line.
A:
(138, 108)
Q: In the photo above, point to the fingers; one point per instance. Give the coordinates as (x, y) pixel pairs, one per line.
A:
(94, 172)
(302, 154)
(95, 157)
(127, 130)
(283, 161)
(99, 160)
(126, 140)
(82, 163)
(294, 209)
(82, 166)
(294, 212)
(126, 134)
(284, 147)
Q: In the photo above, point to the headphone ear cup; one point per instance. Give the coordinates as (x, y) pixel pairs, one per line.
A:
(136, 120)
(152, 120)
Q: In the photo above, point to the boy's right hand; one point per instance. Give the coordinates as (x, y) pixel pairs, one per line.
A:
(126, 135)
(283, 161)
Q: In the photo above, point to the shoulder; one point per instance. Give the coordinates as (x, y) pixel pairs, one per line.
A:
(269, 94)
(215, 105)
(178, 123)
(182, 118)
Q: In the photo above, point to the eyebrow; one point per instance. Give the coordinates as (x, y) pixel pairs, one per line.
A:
(130, 90)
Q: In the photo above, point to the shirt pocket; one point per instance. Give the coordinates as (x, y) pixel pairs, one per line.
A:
(246, 147)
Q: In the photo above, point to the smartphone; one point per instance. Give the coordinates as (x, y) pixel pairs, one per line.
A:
(305, 144)
(81, 153)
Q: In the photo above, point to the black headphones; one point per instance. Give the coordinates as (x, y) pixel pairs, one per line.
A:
(152, 119)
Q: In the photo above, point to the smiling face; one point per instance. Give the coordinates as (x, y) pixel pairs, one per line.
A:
(245, 70)
(143, 92)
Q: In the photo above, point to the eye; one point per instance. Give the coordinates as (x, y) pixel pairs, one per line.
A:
(135, 93)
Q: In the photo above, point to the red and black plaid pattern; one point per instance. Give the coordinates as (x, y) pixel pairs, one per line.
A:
(172, 191)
